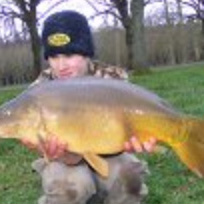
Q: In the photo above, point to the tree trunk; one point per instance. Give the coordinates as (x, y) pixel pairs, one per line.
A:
(35, 46)
(133, 23)
(202, 41)
(202, 27)
(35, 41)
(135, 38)
(28, 10)
(170, 46)
(181, 34)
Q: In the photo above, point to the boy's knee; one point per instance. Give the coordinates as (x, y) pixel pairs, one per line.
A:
(126, 181)
(129, 186)
(132, 177)
(63, 184)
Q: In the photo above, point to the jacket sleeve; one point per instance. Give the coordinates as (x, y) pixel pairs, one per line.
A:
(99, 69)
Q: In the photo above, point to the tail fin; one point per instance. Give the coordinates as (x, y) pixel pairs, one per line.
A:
(191, 150)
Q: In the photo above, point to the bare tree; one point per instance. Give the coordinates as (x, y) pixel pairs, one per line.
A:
(131, 15)
(198, 7)
(181, 32)
(26, 11)
(169, 22)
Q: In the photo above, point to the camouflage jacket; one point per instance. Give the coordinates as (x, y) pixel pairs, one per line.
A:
(95, 68)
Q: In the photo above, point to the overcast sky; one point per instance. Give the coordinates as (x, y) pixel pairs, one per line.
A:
(77, 5)
(83, 7)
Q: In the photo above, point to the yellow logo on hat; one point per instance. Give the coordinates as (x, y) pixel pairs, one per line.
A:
(58, 39)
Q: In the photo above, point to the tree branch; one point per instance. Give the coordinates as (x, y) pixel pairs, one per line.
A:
(106, 12)
(7, 12)
(92, 5)
(122, 7)
(51, 7)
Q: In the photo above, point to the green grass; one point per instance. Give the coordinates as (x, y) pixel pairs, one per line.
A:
(18, 183)
(170, 181)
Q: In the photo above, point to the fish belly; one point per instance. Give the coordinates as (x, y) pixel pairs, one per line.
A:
(99, 130)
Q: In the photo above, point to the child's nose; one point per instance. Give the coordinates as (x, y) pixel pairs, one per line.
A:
(62, 63)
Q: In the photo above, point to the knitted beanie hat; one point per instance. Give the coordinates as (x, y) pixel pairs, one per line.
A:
(67, 32)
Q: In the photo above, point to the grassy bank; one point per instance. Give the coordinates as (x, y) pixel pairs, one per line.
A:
(170, 181)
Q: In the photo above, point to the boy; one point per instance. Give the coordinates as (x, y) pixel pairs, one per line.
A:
(68, 48)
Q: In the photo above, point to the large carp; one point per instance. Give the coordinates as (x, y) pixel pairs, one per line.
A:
(95, 117)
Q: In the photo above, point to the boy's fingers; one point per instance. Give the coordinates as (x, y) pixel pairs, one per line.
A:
(60, 151)
(128, 147)
(150, 145)
(136, 144)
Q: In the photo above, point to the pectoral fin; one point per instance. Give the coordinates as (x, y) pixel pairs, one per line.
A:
(98, 163)
(42, 145)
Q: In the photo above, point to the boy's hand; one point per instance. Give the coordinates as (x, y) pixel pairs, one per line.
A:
(52, 149)
(134, 145)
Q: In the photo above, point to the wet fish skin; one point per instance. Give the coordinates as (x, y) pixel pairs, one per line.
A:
(96, 116)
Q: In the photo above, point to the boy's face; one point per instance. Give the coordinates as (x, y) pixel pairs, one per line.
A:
(64, 66)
